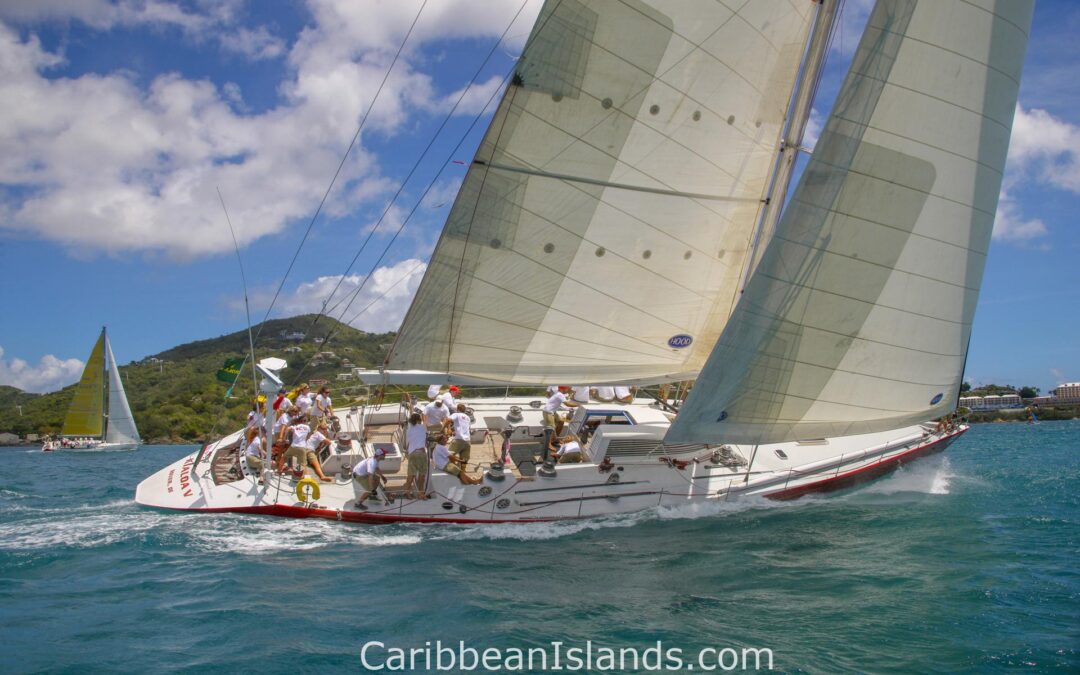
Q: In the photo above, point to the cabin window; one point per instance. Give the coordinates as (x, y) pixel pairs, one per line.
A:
(594, 418)
(780, 453)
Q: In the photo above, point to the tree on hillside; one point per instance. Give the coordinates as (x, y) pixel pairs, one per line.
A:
(965, 387)
(1029, 392)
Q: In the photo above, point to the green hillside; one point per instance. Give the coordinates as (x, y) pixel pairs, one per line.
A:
(176, 397)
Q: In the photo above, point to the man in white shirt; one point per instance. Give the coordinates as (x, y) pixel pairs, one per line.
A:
(253, 452)
(551, 407)
(435, 412)
(432, 392)
(605, 394)
(323, 405)
(461, 445)
(255, 417)
(283, 420)
(368, 476)
(448, 398)
(450, 463)
(315, 442)
(569, 450)
(581, 394)
(296, 455)
(416, 448)
(280, 441)
(303, 401)
(624, 395)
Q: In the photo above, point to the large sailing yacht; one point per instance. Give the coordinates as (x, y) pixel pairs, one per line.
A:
(99, 417)
(624, 223)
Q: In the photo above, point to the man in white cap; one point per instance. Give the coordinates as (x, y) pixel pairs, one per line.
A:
(369, 476)
(434, 414)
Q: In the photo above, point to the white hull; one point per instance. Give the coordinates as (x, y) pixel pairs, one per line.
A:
(625, 472)
(98, 447)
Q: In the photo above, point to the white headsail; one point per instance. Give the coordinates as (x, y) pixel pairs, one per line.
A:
(857, 319)
(601, 231)
(121, 427)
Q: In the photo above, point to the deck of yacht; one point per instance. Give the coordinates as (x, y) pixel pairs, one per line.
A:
(481, 455)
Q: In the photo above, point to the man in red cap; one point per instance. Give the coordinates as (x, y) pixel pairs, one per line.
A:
(448, 398)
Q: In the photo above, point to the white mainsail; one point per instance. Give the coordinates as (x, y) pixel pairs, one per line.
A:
(603, 227)
(121, 423)
(858, 316)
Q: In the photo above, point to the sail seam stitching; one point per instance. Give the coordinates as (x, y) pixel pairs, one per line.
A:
(770, 316)
(866, 302)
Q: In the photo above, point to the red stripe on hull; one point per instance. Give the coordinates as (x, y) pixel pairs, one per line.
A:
(838, 482)
(287, 511)
(866, 473)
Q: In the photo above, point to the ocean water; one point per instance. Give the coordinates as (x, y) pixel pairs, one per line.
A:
(963, 562)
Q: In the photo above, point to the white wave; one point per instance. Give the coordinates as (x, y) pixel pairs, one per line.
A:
(696, 509)
(12, 494)
(260, 536)
(66, 510)
(83, 531)
(931, 475)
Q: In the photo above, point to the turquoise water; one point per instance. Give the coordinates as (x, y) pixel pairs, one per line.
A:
(968, 561)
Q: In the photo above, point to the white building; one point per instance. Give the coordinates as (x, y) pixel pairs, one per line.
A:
(1069, 390)
(1011, 401)
(973, 402)
(992, 402)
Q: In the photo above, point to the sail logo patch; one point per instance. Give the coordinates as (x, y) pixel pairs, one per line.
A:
(936, 399)
(679, 341)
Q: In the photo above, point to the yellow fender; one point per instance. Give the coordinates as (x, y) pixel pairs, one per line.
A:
(302, 494)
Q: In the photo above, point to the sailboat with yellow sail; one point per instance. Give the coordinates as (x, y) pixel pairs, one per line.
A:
(99, 417)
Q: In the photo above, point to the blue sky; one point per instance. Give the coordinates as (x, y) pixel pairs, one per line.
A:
(122, 119)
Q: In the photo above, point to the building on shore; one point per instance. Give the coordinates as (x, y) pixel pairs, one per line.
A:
(992, 402)
(1068, 392)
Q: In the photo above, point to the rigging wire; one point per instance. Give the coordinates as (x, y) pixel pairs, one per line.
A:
(406, 220)
(476, 119)
(243, 280)
(251, 340)
(341, 165)
(416, 166)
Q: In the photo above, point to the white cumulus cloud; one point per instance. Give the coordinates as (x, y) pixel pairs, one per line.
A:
(101, 162)
(49, 374)
(1047, 148)
(1043, 150)
(1010, 225)
(379, 306)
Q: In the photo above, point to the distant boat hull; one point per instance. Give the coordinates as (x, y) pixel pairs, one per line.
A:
(617, 484)
(100, 447)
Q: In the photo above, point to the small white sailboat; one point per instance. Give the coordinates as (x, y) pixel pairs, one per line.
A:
(99, 417)
(622, 224)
